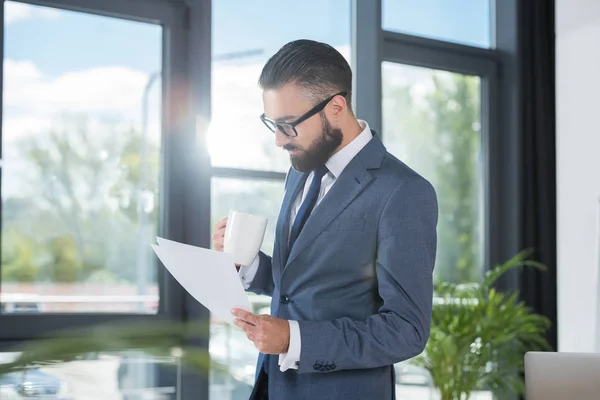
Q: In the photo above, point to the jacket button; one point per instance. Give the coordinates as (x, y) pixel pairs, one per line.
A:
(284, 299)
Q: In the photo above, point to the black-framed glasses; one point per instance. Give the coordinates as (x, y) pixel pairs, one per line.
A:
(289, 128)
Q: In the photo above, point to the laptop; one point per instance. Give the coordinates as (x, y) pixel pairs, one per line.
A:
(560, 376)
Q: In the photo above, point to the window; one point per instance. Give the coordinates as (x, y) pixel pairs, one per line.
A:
(460, 21)
(84, 191)
(81, 141)
(248, 169)
(432, 122)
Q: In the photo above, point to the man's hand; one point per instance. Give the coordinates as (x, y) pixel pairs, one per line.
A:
(218, 236)
(270, 335)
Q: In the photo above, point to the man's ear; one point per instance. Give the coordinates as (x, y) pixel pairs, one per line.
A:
(337, 107)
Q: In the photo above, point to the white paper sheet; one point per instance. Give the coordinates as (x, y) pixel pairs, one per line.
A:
(208, 275)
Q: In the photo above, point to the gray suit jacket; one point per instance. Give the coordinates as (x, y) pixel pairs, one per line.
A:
(358, 279)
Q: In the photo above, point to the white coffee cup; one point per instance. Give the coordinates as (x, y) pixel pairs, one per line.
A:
(244, 235)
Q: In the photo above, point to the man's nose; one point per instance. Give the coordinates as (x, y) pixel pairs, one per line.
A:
(280, 138)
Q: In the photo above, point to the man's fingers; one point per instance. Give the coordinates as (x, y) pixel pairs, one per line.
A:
(245, 316)
(220, 234)
(248, 328)
(221, 224)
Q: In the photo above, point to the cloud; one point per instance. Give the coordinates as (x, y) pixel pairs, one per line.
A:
(103, 89)
(34, 102)
(18, 72)
(14, 11)
(14, 127)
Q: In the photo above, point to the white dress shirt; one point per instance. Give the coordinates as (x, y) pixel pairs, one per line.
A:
(335, 165)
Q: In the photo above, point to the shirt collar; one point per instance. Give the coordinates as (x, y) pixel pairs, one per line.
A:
(342, 158)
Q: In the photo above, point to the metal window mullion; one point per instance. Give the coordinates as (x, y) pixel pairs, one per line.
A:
(433, 57)
(505, 156)
(366, 61)
(22, 327)
(196, 174)
(490, 138)
(172, 187)
(438, 45)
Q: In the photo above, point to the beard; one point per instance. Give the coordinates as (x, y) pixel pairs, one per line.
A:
(319, 151)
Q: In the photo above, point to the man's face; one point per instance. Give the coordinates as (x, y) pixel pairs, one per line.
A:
(317, 140)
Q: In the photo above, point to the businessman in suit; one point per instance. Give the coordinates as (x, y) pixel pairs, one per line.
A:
(355, 245)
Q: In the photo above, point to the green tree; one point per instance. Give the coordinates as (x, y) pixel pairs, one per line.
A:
(129, 184)
(65, 264)
(20, 254)
(84, 177)
(455, 102)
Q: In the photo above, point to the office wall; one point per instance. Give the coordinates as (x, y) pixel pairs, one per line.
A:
(578, 170)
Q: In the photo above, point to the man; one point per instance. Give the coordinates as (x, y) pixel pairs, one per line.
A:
(355, 245)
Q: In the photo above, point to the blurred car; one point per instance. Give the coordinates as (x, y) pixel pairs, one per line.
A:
(34, 383)
(20, 303)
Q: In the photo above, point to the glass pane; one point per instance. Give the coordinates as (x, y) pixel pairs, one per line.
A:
(129, 375)
(245, 35)
(81, 148)
(461, 21)
(432, 121)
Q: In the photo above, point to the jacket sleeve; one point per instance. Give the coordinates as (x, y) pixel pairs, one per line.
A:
(263, 280)
(406, 250)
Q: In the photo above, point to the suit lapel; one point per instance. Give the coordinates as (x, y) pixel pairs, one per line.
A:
(352, 181)
(348, 185)
(296, 183)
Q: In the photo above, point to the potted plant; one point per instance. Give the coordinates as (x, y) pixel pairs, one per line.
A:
(479, 336)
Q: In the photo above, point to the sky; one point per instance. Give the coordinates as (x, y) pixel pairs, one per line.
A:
(60, 61)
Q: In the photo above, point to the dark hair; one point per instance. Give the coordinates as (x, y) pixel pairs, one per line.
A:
(315, 66)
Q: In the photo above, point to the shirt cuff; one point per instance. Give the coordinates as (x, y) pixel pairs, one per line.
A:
(248, 272)
(291, 359)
